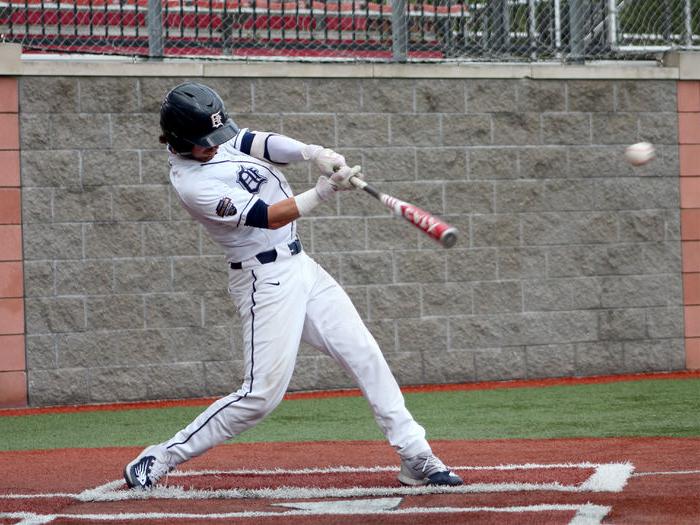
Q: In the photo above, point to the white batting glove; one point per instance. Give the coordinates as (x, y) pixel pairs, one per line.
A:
(341, 177)
(326, 160)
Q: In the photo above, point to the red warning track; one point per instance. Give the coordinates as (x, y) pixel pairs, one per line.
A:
(490, 385)
(622, 481)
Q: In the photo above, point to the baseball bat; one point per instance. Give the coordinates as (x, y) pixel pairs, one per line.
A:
(436, 228)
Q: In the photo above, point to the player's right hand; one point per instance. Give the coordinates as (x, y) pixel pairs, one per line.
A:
(325, 188)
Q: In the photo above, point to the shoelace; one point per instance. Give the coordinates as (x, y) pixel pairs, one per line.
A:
(433, 464)
(159, 468)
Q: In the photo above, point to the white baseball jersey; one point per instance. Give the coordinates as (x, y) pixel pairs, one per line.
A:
(281, 301)
(222, 192)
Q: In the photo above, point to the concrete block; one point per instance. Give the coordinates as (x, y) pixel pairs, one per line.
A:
(40, 352)
(388, 96)
(279, 95)
(173, 310)
(394, 301)
(500, 363)
(420, 266)
(550, 360)
(497, 297)
(113, 239)
(491, 96)
(65, 386)
(413, 130)
(541, 95)
(54, 168)
(142, 275)
(335, 95)
(48, 94)
(311, 128)
(454, 366)
(441, 164)
(367, 268)
(108, 95)
(517, 129)
(471, 265)
(493, 163)
(657, 94)
(53, 241)
(363, 129)
(98, 167)
(591, 96)
(83, 131)
(566, 128)
(467, 130)
(440, 96)
(83, 277)
(115, 312)
(447, 299)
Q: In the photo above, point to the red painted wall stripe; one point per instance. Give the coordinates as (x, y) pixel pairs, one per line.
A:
(13, 369)
(689, 152)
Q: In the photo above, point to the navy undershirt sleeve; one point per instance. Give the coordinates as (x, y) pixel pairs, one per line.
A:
(257, 216)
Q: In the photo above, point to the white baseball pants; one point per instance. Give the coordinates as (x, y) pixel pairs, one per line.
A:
(281, 304)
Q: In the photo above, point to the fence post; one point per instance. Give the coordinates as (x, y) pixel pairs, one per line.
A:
(612, 24)
(399, 31)
(578, 19)
(498, 25)
(155, 29)
(688, 26)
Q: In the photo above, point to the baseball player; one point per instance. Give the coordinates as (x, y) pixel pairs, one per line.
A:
(228, 180)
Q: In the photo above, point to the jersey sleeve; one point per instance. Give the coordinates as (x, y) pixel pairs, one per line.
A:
(220, 202)
(270, 147)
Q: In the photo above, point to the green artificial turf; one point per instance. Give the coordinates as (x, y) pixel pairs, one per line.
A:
(631, 408)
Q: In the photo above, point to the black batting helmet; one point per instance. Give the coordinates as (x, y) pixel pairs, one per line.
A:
(194, 114)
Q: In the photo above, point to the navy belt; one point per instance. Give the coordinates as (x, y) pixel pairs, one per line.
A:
(270, 255)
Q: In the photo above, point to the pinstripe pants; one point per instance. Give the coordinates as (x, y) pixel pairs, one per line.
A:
(282, 303)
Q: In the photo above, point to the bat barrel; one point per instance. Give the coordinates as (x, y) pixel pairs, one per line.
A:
(449, 237)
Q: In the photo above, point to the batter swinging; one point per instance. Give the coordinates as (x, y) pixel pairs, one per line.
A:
(228, 180)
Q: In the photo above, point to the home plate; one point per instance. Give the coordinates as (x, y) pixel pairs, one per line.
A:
(353, 506)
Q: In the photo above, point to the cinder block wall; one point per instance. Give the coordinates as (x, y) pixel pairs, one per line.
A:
(568, 263)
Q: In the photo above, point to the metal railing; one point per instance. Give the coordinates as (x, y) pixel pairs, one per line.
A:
(398, 30)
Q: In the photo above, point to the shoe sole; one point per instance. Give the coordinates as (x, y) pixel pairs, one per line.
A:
(126, 478)
(412, 482)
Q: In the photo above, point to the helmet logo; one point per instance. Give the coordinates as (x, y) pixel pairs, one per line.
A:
(216, 120)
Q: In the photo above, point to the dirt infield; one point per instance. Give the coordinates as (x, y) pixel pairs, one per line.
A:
(574, 481)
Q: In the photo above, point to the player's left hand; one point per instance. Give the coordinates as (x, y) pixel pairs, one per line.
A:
(325, 159)
(341, 177)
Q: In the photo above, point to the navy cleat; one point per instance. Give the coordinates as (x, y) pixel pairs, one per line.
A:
(148, 467)
(427, 469)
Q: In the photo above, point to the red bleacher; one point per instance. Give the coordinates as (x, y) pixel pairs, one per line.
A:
(202, 16)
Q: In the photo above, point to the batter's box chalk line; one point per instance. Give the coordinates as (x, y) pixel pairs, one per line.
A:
(587, 514)
(606, 477)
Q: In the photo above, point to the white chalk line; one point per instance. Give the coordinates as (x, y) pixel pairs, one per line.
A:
(587, 514)
(347, 469)
(667, 473)
(609, 477)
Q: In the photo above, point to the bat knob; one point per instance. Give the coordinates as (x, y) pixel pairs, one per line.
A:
(449, 238)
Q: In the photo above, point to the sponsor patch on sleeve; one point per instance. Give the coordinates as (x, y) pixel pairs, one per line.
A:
(225, 208)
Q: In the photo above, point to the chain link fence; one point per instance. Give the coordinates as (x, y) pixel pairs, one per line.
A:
(393, 30)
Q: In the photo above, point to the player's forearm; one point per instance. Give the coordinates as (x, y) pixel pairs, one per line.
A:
(282, 213)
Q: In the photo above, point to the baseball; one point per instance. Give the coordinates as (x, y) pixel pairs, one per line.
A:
(640, 153)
